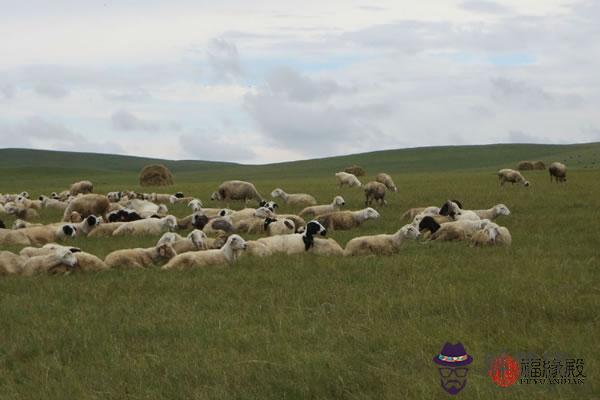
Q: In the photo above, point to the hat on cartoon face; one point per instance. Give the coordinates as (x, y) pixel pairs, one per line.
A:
(453, 355)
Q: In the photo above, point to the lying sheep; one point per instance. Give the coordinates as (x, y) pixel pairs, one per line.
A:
(20, 211)
(81, 187)
(375, 191)
(297, 243)
(512, 176)
(105, 229)
(85, 261)
(219, 225)
(380, 244)
(387, 181)
(40, 235)
(11, 263)
(236, 190)
(195, 241)
(20, 224)
(346, 179)
(294, 199)
(87, 204)
(147, 208)
(298, 221)
(277, 226)
(412, 213)
(492, 235)
(342, 220)
(558, 171)
(336, 204)
(227, 254)
(140, 258)
(53, 204)
(150, 226)
(493, 213)
(60, 260)
(458, 230)
(14, 237)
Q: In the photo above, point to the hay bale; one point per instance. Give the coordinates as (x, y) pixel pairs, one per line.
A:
(525, 166)
(539, 165)
(355, 170)
(156, 175)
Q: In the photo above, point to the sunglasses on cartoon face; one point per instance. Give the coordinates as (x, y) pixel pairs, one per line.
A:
(459, 372)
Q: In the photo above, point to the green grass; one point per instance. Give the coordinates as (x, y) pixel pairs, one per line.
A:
(315, 327)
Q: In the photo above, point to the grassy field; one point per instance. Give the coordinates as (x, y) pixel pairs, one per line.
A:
(301, 327)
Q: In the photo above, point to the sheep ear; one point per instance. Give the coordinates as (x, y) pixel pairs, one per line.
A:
(444, 209)
(458, 203)
(288, 224)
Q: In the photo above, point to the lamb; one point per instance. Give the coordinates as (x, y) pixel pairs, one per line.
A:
(236, 190)
(11, 263)
(279, 226)
(294, 199)
(558, 171)
(150, 226)
(226, 255)
(196, 240)
(492, 213)
(380, 244)
(343, 220)
(140, 258)
(346, 179)
(458, 230)
(297, 243)
(54, 262)
(387, 181)
(81, 187)
(512, 176)
(492, 235)
(375, 191)
(86, 205)
(336, 204)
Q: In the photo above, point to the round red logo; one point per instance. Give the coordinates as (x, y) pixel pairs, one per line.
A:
(504, 371)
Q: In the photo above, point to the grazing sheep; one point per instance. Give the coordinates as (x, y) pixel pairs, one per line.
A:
(375, 191)
(492, 235)
(342, 220)
(492, 213)
(140, 258)
(346, 179)
(355, 170)
(458, 230)
(380, 244)
(512, 176)
(236, 190)
(149, 226)
(59, 260)
(387, 181)
(81, 187)
(558, 171)
(297, 243)
(294, 199)
(336, 204)
(227, 254)
(86, 205)
(196, 240)
(279, 226)
(11, 263)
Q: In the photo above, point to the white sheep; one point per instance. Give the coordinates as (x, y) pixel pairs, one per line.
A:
(227, 254)
(149, 226)
(512, 176)
(294, 199)
(312, 211)
(279, 226)
(140, 258)
(347, 179)
(342, 220)
(459, 230)
(11, 263)
(380, 244)
(492, 213)
(60, 259)
(492, 235)
(194, 241)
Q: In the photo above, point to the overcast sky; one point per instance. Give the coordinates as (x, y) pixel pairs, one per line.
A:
(272, 80)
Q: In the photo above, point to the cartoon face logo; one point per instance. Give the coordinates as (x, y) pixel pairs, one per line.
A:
(452, 366)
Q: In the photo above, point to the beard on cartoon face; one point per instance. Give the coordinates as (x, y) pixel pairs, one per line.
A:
(453, 380)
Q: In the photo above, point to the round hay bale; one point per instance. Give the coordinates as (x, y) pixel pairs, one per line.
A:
(355, 170)
(539, 165)
(156, 175)
(525, 166)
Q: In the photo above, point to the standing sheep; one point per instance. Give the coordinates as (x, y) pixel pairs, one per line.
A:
(375, 191)
(346, 179)
(512, 176)
(558, 171)
(81, 187)
(294, 199)
(236, 190)
(342, 220)
(86, 205)
(338, 201)
(387, 180)
(380, 244)
(226, 255)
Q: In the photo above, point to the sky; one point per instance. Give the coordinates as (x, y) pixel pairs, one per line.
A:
(274, 80)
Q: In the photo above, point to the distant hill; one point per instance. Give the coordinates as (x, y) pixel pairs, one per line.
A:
(423, 159)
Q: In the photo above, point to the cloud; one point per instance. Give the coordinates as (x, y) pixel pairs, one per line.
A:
(485, 6)
(7, 92)
(126, 121)
(523, 94)
(51, 90)
(215, 147)
(224, 59)
(290, 84)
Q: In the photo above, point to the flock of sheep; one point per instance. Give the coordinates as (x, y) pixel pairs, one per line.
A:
(215, 237)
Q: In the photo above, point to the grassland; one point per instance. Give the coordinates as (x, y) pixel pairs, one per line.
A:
(315, 327)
